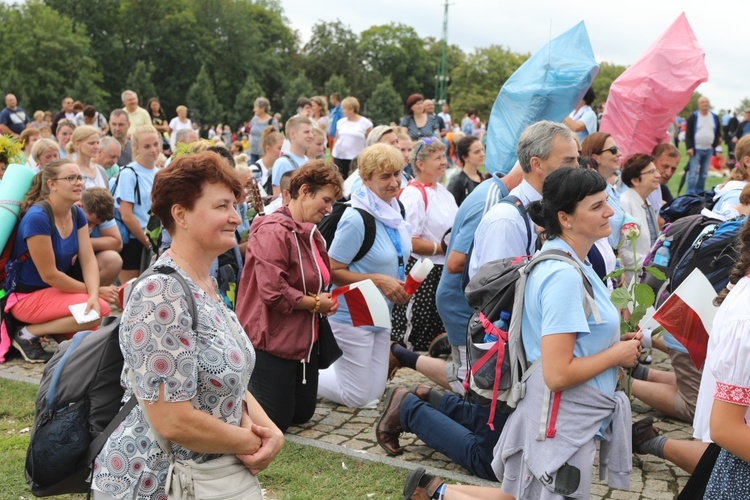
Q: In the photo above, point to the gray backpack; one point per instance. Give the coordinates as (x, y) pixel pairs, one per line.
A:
(78, 405)
(497, 374)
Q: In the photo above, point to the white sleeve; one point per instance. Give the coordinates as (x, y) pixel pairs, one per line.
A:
(729, 363)
(416, 215)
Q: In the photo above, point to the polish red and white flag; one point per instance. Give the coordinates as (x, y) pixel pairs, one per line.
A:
(366, 304)
(688, 315)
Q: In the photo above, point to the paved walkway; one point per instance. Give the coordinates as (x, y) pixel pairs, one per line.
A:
(351, 431)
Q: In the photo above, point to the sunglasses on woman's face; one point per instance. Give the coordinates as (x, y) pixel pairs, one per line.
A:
(613, 150)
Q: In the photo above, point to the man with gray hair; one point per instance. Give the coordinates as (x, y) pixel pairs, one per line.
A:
(182, 136)
(119, 124)
(109, 152)
(137, 115)
(185, 136)
(506, 230)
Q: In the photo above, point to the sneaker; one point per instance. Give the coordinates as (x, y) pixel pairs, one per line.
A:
(439, 346)
(31, 350)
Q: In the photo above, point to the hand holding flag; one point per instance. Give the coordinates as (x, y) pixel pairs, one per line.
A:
(366, 304)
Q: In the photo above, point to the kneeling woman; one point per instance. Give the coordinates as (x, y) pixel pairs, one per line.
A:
(281, 294)
(359, 376)
(579, 355)
(45, 249)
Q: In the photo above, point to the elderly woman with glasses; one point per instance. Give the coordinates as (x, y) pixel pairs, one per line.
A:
(430, 209)
(52, 234)
(642, 177)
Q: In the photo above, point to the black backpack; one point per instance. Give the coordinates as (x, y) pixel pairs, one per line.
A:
(78, 405)
(714, 253)
(681, 235)
(687, 204)
(327, 226)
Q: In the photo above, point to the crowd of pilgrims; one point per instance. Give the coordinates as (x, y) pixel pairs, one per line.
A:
(237, 216)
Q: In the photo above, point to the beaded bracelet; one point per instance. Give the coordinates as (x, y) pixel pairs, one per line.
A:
(317, 303)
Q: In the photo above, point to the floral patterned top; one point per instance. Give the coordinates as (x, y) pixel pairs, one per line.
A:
(207, 367)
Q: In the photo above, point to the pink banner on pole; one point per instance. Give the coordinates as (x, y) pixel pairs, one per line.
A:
(647, 97)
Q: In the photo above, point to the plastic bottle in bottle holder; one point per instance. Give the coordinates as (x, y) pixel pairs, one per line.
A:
(661, 258)
(502, 324)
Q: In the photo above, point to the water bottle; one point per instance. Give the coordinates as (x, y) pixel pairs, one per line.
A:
(661, 258)
(502, 324)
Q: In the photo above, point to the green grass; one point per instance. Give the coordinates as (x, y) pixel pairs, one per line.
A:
(299, 472)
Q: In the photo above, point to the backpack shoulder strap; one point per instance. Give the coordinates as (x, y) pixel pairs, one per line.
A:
(516, 202)
(589, 303)
(98, 443)
(370, 230)
(294, 162)
(136, 191)
(401, 209)
(44, 205)
(422, 190)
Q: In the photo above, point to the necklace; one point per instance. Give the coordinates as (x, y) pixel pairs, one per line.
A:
(209, 287)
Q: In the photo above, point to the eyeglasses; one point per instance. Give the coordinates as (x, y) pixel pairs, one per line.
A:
(653, 170)
(614, 150)
(71, 178)
(426, 141)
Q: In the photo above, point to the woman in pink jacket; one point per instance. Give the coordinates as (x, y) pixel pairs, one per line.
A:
(281, 298)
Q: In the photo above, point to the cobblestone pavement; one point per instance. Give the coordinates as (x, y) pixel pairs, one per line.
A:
(351, 431)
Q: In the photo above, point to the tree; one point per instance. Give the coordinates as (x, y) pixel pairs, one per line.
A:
(477, 80)
(744, 104)
(202, 101)
(336, 84)
(608, 73)
(332, 50)
(44, 55)
(298, 87)
(139, 81)
(396, 51)
(384, 105)
(243, 104)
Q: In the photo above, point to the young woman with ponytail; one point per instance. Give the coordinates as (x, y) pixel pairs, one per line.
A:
(49, 239)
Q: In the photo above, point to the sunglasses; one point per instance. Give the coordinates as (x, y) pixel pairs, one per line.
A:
(614, 150)
(426, 141)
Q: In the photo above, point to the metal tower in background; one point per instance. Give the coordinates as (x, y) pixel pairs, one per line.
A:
(441, 79)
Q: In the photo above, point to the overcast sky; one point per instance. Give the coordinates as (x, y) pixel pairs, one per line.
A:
(620, 31)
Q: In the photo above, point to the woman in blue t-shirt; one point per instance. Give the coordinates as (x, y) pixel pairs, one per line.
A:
(53, 233)
(358, 377)
(133, 199)
(580, 353)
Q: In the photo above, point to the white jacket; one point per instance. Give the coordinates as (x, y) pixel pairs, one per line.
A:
(632, 203)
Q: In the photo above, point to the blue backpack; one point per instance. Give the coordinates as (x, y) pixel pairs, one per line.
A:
(715, 252)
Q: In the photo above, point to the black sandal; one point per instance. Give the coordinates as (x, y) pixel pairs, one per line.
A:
(421, 486)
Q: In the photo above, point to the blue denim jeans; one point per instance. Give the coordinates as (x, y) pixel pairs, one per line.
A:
(457, 429)
(696, 180)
